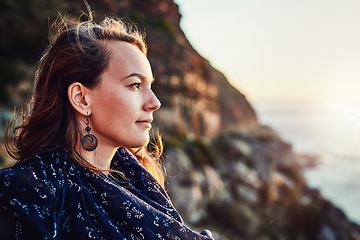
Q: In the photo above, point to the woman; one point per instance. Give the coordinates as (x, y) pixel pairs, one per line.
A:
(83, 171)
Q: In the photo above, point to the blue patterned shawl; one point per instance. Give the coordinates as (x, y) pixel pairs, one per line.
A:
(53, 197)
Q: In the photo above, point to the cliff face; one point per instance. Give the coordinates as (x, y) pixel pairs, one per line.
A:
(225, 171)
(250, 187)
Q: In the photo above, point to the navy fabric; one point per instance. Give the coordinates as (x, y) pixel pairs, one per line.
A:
(53, 197)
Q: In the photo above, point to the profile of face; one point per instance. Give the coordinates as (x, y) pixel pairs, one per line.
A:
(122, 105)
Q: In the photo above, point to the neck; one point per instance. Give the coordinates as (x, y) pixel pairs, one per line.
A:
(101, 157)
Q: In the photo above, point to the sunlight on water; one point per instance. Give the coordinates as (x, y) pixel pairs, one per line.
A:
(319, 128)
(339, 133)
(330, 130)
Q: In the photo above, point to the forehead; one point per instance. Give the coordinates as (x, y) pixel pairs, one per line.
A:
(127, 57)
(123, 49)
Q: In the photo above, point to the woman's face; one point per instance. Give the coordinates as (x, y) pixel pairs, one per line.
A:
(122, 105)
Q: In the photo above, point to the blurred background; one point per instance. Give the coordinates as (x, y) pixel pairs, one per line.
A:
(259, 106)
(298, 63)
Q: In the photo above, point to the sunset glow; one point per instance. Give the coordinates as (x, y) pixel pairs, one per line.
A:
(280, 49)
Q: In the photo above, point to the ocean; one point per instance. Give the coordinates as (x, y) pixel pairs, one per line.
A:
(329, 130)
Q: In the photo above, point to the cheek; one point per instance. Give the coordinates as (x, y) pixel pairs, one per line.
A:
(114, 106)
(122, 106)
(108, 97)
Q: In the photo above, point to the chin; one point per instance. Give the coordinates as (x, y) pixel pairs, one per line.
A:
(140, 143)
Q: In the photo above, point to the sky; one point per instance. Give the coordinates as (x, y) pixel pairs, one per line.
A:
(280, 49)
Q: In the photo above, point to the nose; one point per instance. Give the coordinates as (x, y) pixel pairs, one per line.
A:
(153, 103)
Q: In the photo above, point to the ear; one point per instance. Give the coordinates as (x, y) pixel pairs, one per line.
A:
(77, 94)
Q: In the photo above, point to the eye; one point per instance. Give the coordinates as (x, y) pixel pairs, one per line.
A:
(135, 85)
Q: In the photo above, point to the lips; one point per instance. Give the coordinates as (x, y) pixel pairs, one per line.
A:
(145, 123)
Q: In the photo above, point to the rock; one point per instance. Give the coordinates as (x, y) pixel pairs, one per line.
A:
(189, 199)
(239, 172)
(185, 186)
(215, 187)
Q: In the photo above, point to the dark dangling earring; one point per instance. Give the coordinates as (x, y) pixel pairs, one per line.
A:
(89, 141)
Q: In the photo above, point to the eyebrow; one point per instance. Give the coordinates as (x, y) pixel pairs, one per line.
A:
(140, 76)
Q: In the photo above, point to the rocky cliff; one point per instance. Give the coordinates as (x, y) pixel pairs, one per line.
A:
(225, 171)
(250, 186)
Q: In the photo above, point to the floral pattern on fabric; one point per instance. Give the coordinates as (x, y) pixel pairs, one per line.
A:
(52, 197)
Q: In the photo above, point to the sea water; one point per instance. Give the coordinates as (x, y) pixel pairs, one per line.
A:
(330, 130)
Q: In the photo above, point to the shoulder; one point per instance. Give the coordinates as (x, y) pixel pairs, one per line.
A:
(24, 182)
(33, 178)
(25, 199)
(28, 191)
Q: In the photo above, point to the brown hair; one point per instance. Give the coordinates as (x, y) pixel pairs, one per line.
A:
(76, 54)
